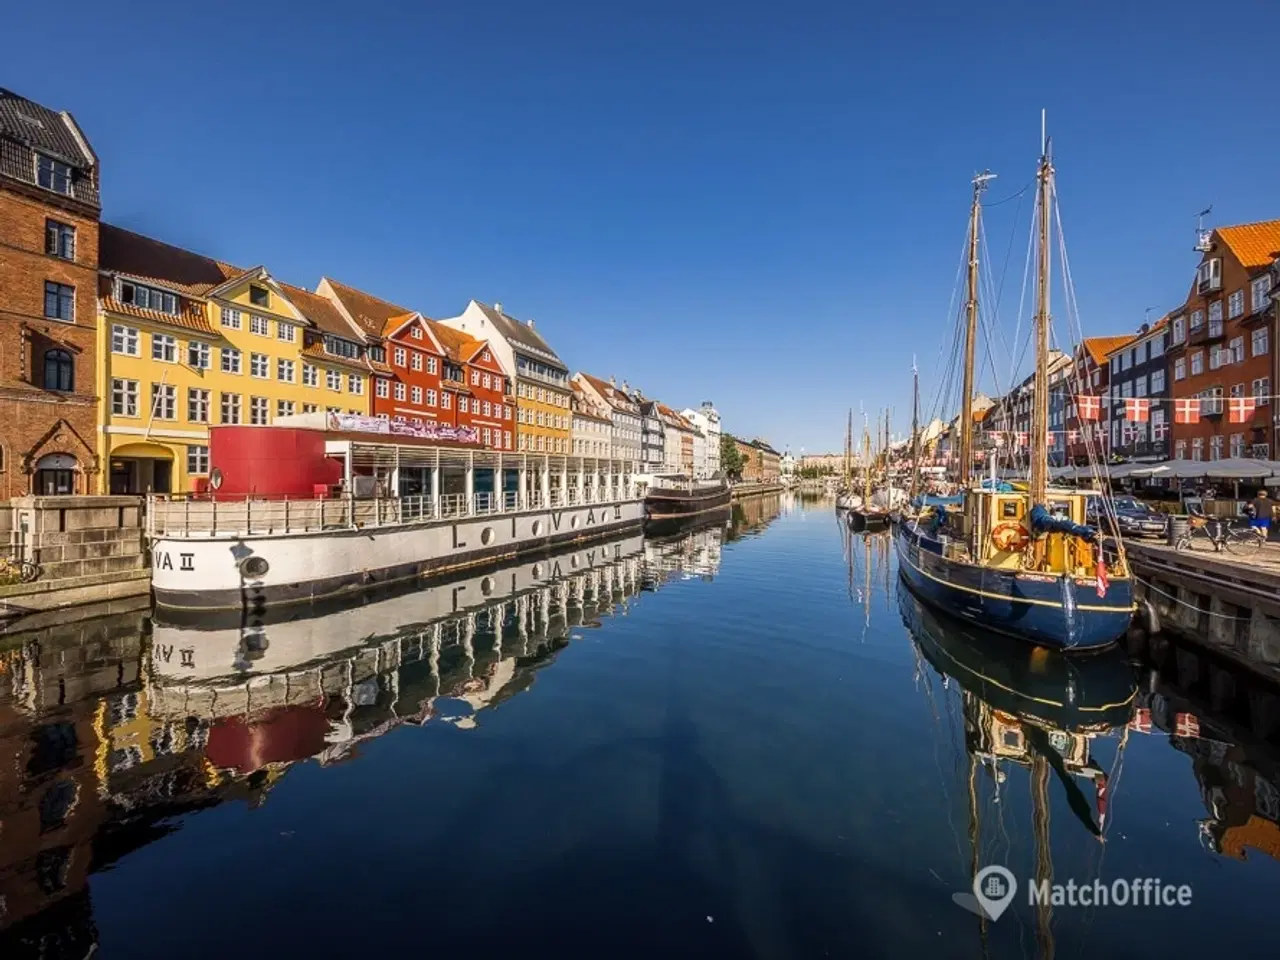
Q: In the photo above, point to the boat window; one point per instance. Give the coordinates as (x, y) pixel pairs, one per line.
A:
(1060, 509)
(1009, 509)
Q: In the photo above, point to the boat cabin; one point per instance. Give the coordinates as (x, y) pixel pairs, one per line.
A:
(993, 528)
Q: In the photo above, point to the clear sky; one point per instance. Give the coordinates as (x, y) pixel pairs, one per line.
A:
(762, 204)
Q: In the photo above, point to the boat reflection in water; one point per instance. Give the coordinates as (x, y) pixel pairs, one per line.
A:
(1026, 707)
(108, 740)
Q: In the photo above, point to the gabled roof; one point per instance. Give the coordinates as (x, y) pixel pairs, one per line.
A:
(371, 314)
(520, 335)
(585, 405)
(611, 394)
(458, 346)
(322, 312)
(1099, 347)
(131, 255)
(1255, 245)
(33, 127)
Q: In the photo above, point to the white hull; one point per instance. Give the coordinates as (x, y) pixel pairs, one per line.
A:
(236, 652)
(249, 572)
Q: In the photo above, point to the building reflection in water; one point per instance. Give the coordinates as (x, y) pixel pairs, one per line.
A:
(1045, 713)
(107, 733)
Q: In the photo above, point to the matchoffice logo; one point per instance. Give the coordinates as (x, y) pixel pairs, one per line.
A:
(995, 887)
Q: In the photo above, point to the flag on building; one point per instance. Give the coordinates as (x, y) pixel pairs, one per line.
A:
(1137, 408)
(1186, 411)
(1073, 436)
(1090, 407)
(1240, 409)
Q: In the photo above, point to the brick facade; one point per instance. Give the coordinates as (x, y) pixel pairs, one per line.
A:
(1221, 342)
(36, 420)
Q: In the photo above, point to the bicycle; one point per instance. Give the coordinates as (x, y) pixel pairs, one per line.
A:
(1235, 540)
(18, 571)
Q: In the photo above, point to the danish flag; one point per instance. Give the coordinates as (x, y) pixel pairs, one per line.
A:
(1100, 578)
(1073, 436)
(1090, 407)
(1159, 430)
(1186, 411)
(1241, 409)
(1022, 438)
(1049, 439)
(1137, 409)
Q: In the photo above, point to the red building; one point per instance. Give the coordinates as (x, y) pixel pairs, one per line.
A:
(1088, 375)
(430, 373)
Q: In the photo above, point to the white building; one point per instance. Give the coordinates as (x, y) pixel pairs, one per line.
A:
(592, 426)
(707, 419)
(625, 434)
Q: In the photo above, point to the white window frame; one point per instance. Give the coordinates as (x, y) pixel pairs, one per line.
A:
(164, 401)
(259, 411)
(229, 402)
(199, 355)
(259, 325)
(230, 360)
(286, 331)
(197, 403)
(232, 318)
(197, 459)
(260, 362)
(310, 375)
(124, 340)
(382, 389)
(1262, 335)
(333, 380)
(164, 348)
(355, 384)
(285, 370)
(124, 397)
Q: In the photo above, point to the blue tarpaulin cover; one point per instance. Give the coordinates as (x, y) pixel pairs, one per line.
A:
(1042, 521)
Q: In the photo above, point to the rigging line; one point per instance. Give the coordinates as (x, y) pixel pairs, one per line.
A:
(1012, 196)
(955, 288)
(1016, 362)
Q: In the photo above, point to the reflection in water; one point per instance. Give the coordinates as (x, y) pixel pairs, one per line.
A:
(795, 735)
(106, 736)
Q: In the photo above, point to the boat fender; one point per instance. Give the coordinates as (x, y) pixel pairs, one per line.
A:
(1010, 536)
(1150, 616)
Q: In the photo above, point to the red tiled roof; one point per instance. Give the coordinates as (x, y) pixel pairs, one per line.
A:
(1100, 347)
(321, 312)
(190, 315)
(460, 346)
(369, 312)
(318, 352)
(1255, 245)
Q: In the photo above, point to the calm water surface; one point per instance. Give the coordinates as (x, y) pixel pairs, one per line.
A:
(747, 742)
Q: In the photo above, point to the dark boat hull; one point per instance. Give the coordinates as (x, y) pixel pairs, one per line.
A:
(862, 519)
(679, 504)
(681, 526)
(1067, 692)
(1031, 606)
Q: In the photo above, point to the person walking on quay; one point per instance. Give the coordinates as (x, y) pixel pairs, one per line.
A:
(1260, 513)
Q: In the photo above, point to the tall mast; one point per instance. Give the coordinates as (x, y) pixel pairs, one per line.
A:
(1039, 482)
(971, 332)
(915, 429)
(848, 448)
(866, 464)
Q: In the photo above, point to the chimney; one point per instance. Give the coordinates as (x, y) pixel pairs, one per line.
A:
(497, 306)
(612, 381)
(531, 323)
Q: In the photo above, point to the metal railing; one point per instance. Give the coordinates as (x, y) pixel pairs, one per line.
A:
(193, 517)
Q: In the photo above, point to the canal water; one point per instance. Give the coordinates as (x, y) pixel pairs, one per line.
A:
(744, 741)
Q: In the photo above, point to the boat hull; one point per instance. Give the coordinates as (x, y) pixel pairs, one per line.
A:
(210, 572)
(871, 520)
(1034, 607)
(680, 504)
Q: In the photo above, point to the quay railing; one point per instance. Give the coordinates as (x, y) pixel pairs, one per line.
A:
(214, 516)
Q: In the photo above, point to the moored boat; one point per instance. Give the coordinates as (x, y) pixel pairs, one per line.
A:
(675, 498)
(1022, 562)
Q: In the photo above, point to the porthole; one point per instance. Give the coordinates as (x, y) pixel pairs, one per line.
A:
(537, 528)
(573, 521)
(254, 568)
(486, 586)
(487, 535)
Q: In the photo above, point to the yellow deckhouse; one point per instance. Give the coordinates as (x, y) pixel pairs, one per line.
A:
(187, 341)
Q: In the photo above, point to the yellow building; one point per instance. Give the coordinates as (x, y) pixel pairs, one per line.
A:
(186, 341)
(543, 396)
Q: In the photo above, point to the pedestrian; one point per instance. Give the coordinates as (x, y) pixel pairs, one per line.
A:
(1260, 508)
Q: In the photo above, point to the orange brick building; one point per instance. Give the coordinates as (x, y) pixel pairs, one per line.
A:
(1220, 346)
(49, 214)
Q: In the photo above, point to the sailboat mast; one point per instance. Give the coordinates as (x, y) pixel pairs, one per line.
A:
(1039, 480)
(866, 464)
(915, 429)
(971, 333)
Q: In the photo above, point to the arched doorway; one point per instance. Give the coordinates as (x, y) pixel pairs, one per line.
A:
(55, 475)
(140, 467)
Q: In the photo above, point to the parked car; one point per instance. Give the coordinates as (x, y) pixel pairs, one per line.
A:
(1133, 518)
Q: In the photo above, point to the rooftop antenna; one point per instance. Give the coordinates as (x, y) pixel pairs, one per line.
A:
(1203, 236)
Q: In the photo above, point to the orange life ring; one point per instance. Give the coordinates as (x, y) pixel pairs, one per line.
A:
(1010, 536)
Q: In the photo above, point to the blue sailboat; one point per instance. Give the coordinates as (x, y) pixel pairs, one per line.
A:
(1018, 562)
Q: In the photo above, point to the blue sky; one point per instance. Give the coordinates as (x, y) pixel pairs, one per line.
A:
(761, 204)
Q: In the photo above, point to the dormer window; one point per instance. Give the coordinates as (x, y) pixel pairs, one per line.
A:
(377, 354)
(147, 298)
(53, 174)
(1209, 276)
(259, 296)
(337, 347)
